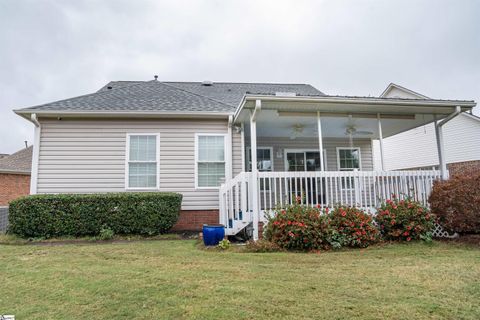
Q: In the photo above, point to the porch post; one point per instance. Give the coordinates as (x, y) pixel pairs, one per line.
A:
(441, 150)
(254, 184)
(380, 137)
(320, 140)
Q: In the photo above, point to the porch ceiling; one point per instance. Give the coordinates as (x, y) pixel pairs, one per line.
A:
(280, 116)
(272, 124)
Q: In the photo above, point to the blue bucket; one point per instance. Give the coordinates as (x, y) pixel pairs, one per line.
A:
(213, 234)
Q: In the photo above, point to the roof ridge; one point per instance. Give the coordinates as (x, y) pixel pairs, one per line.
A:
(197, 94)
(133, 82)
(232, 82)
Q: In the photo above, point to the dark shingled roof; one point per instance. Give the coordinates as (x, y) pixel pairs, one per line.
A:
(145, 96)
(19, 162)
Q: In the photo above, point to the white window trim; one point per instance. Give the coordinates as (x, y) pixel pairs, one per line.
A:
(304, 151)
(249, 156)
(349, 148)
(127, 160)
(225, 157)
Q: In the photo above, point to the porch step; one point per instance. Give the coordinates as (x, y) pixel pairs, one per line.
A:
(236, 225)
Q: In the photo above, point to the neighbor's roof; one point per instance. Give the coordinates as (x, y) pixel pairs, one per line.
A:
(153, 96)
(18, 162)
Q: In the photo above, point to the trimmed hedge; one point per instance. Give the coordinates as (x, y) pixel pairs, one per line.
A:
(78, 215)
(456, 202)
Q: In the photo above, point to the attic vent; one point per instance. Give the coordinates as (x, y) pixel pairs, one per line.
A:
(285, 94)
(109, 87)
(207, 83)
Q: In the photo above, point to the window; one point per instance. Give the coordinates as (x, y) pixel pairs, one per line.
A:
(348, 160)
(304, 160)
(142, 161)
(264, 159)
(210, 160)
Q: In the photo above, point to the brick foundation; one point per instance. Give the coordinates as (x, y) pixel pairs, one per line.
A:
(466, 167)
(193, 220)
(260, 230)
(13, 186)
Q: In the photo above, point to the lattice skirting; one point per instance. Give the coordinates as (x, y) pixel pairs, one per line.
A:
(439, 232)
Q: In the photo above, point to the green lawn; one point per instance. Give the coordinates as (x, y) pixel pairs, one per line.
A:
(175, 280)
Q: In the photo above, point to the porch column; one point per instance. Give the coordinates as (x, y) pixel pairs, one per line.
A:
(442, 164)
(320, 140)
(254, 182)
(440, 142)
(380, 138)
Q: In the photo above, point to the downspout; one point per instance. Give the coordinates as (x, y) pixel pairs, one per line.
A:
(440, 143)
(229, 148)
(35, 154)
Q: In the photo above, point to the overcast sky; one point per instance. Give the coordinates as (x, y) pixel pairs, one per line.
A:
(55, 49)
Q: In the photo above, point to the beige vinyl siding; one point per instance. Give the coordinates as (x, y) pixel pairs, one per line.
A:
(86, 156)
(237, 165)
(329, 144)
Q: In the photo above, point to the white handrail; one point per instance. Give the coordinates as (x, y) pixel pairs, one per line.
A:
(364, 189)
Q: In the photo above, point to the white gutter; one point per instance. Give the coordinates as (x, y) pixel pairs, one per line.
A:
(121, 114)
(364, 100)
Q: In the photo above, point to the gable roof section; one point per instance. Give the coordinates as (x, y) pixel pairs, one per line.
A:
(137, 97)
(177, 97)
(20, 162)
(409, 93)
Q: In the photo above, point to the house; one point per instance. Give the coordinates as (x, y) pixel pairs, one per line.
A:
(416, 148)
(15, 175)
(197, 138)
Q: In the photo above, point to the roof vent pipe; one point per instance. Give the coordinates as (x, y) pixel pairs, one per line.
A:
(155, 77)
(207, 83)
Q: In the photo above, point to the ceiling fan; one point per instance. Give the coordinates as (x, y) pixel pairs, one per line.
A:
(351, 129)
(297, 130)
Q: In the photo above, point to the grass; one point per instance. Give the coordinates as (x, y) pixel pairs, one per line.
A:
(15, 240)
(175, 280)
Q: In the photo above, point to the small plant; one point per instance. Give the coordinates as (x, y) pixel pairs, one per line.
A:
(106, 233)
(405, 220)
(224, 244)
(261, 246)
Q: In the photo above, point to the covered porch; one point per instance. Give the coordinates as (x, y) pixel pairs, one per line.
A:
(318, 151)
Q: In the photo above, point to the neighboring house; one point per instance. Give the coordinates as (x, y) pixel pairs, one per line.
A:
(196, 138)
(417, 149)
(15, 175)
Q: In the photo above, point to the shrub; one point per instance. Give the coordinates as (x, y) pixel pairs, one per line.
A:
(260, 246)
(298, 227)
(351, 227)
(106, 233)
(456, 202)
(85, 215)
(404, 220)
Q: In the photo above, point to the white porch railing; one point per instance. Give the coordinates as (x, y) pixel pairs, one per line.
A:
(364, 189)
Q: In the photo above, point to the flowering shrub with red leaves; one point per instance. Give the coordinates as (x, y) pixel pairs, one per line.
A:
(456, 202)
(404, 219)
(351, 227)
(298, 227)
